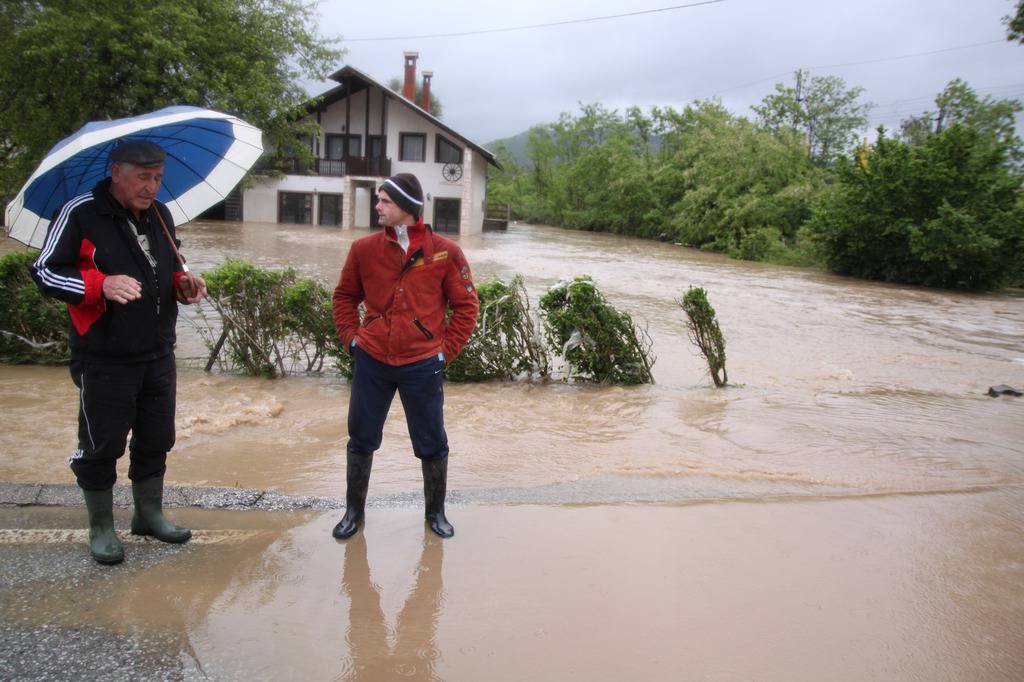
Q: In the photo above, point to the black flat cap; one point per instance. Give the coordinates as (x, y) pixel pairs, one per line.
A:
(138, 152)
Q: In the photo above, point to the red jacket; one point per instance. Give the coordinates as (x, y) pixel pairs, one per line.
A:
(406, 298)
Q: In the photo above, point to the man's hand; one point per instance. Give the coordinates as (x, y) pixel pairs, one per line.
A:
(191, 288)
(121, 288)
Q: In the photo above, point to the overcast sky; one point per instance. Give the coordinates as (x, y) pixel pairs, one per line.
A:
(498, 84)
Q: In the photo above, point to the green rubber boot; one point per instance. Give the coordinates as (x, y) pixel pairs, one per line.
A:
(103, 542)
(357, 473)
(149, 516)
(435, 484)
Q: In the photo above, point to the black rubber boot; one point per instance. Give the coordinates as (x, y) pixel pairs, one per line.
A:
(106, 548)
(149, 516)
(435, 486)
(357, 474)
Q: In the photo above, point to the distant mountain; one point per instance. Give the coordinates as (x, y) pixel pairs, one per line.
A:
(516, 145)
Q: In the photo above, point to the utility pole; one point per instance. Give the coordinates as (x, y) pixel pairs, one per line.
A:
(804, 110)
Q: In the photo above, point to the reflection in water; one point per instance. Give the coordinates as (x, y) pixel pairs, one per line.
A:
(415, 651)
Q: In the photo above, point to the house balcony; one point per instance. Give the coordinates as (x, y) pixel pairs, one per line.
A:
(369, 166)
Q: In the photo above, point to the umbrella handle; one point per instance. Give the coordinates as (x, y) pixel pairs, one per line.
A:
(174, 248)
(170, 240)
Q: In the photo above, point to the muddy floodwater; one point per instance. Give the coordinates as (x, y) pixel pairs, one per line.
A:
(851, 508)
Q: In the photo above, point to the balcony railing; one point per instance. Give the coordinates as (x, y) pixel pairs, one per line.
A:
(375, 166)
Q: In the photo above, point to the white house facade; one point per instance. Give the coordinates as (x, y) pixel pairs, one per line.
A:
(367, 133)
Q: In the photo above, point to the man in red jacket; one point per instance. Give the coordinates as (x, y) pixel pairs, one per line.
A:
(407, 277)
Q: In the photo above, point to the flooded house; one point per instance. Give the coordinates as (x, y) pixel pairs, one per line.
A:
(367, 132)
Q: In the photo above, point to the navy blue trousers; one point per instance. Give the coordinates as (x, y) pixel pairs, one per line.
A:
(115, 399)
(420, 385)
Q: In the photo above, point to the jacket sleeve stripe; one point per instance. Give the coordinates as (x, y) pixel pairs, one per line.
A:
(48, 276)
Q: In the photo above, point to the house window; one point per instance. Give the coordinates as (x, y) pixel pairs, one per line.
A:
(295, 207)
(447, 151)
(377, 145)
(446, 215)
(413, 147)
(337, 144)
(329, 209)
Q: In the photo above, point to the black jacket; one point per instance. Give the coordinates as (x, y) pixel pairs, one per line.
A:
(89, 238)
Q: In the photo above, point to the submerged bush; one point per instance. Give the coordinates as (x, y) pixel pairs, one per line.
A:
(600, 343)
(505, 343)
(705, 333)
(271, 322)
(33, 327)
(309, 318)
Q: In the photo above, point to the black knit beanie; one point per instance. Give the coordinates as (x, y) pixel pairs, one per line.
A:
(404, 189)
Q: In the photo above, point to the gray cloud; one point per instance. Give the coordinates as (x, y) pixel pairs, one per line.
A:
(495, 85)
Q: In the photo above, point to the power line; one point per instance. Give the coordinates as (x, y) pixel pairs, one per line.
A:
(908, 56)
(869, 61)
(533, 26)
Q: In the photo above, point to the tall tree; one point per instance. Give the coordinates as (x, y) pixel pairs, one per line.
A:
(822, 108)
(66, 62)
(745, 190)
(959, 103)
(944, 213)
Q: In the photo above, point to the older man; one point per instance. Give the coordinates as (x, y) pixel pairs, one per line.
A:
(108, 256)
(408, 278)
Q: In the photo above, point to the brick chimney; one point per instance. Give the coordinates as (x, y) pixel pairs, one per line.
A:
(427, 75)
(409, 87)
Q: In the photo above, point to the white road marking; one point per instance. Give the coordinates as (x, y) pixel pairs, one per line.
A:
(52, 536)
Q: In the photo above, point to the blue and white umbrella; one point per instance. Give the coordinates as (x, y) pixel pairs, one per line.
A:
(208, 153)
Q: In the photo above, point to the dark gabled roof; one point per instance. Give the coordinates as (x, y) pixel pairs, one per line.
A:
(348, 76)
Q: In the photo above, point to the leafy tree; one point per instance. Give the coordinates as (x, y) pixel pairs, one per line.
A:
(823, 109)
(610, 188)
(701, 175)
(959, 103)
(66, 62)
(589, 171)
(505, 186)
(741, 189)
(540, 149)
(1015, 23)
(945, 213)
(395, 85)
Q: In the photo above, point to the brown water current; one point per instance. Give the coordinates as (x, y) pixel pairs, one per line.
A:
(842, 386)
(852, 508)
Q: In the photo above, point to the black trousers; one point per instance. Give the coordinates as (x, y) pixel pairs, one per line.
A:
(113, 400)
(420, 385)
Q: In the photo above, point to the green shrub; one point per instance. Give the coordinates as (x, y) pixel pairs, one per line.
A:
(33, 327)
(600, 343)
(270, 322)
(250, 303)
(945, 213)
(309, 318)
(705, 333)
(505, 343)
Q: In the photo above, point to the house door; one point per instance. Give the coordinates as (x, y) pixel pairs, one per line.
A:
(446, 215)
